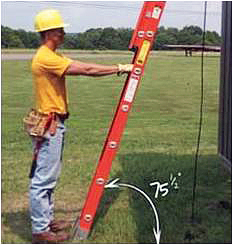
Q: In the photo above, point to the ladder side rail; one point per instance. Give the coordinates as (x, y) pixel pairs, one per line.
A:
(141, 45)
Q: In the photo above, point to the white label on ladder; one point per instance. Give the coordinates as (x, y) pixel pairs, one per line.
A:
(131, 90)
(156, 12)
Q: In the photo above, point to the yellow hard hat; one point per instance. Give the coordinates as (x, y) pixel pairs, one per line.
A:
(49, 19)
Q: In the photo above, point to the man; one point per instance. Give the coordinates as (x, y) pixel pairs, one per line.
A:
(47, 121)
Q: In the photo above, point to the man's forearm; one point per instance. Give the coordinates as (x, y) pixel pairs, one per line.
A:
(88, 69)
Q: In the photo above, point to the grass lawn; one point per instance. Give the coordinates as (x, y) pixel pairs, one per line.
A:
(159, 140)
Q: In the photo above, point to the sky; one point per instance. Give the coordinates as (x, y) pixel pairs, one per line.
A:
(83, 15)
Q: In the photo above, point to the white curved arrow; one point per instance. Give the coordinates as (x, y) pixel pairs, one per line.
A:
(114, 184)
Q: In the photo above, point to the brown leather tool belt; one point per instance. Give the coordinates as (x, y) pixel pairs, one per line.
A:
(37, 124)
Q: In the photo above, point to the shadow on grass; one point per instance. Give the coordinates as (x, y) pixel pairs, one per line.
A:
(107, 200)
(141, 169)
(19, 224)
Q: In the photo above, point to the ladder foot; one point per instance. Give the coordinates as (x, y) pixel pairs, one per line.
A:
(79, 234)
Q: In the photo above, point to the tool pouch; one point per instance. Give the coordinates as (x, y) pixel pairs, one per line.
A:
(37, 124)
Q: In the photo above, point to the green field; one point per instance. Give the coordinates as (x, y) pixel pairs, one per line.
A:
(160, 140)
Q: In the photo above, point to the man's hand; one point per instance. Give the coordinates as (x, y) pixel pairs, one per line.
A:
(124, 68)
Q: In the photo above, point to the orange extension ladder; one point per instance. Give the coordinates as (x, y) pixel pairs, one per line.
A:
(141, 43)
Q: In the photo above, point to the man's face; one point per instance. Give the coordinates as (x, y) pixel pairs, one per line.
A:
(58, 35)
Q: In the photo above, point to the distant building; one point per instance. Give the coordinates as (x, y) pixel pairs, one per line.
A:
(190, 48)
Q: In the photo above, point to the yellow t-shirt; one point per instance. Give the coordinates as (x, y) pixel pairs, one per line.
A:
(48, 70)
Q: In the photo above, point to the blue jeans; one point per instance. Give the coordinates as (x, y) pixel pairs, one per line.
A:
(45, 178)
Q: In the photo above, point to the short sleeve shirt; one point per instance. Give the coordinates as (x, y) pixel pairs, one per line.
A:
(48, 69)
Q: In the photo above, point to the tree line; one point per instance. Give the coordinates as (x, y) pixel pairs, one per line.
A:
(109, 38)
